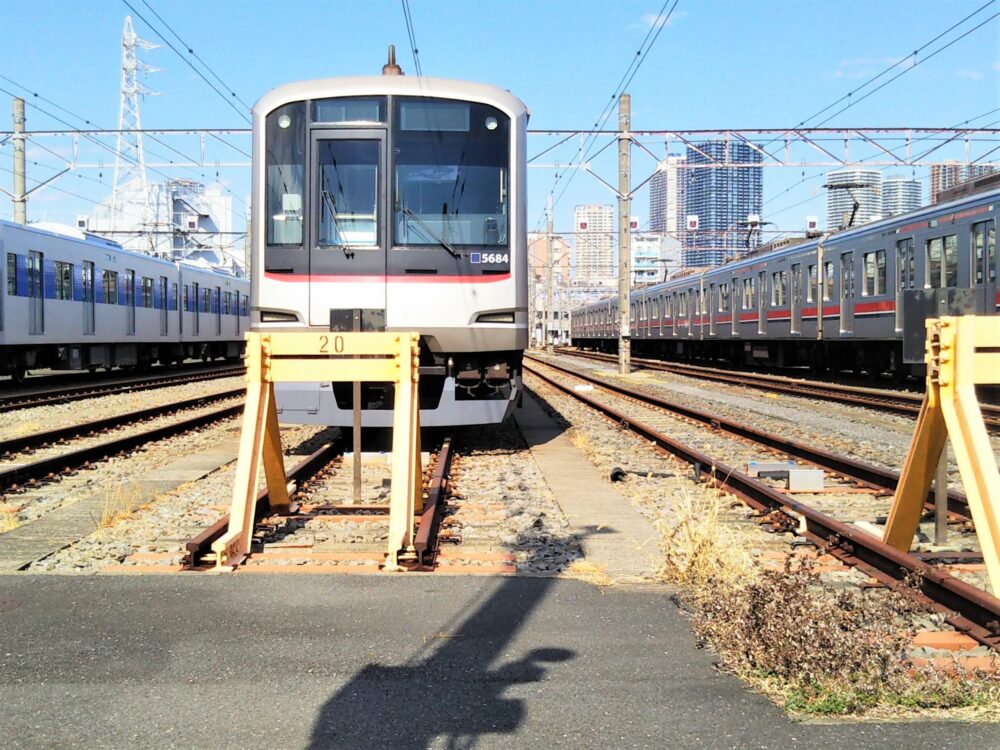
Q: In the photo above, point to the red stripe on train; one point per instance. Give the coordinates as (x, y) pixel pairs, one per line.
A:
(419, 278)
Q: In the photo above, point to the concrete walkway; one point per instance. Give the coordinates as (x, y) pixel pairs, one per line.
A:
(75, 520)
(615, 536)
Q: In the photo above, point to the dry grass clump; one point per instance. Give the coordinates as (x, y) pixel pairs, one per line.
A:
(121, 501)
(8, 519)
(815, 650)
(700, 552)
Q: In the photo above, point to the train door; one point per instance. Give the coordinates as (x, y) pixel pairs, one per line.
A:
(762, 303)
(164, 320)
(796, 298)
(130, 302)
(89, 298)
(984, 265)
(195, 305)
(348, 231)
(847, 292)
(36, 313)
(904, 275)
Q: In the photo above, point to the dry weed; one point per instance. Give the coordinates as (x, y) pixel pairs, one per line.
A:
(589, 572)
(8, 520)
(815, 650)
(120, 502)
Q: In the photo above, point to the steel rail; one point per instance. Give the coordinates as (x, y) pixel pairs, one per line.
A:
(860, 471)
(38, 439)
(897, 402)
(965, 607)
(200, 545)
(13, 403)
(47, 467)
(425, 541)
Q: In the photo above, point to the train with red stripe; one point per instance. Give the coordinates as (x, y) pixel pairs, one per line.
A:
(854, 300)
(395, 203)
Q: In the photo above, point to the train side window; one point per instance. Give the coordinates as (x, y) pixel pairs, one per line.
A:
(111, 287)
(173, 296)
(11, 275)
(875, 279)
(942, 262)
(779, 285)
(64, 280)
(724, 298)
(813, 282)
(828, 281)
(147, 291)
(187, 299)
(904, 264)
(285, 136)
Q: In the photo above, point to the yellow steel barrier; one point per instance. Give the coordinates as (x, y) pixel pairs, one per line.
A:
(962, 352)
(332, 357)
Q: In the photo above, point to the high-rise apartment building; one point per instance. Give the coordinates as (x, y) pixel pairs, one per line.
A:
(944, 176)
(900, 195)
(667, 196)
(843, 188)
(595, 226)
(724, 188)
(645, 250)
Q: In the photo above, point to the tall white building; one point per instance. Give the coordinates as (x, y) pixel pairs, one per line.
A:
(595, 227)
(900, 195)
(867, 191)
(186, 220)
(668, 195)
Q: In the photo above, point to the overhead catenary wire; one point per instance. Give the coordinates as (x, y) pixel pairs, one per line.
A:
(196, 55)
(660, 22)
(241, 112)
(408, 17)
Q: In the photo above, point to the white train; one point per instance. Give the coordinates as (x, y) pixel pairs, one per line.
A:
(83, 302)
(398, 203)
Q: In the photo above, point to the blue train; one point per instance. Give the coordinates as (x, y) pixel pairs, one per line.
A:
(71, 301)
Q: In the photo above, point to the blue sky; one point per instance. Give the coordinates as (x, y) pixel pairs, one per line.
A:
(717, 64)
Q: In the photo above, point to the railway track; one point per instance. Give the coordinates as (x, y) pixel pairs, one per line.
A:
(313, 470)
(20, 472)
(78, 393)
(967, 608)
(896, 402)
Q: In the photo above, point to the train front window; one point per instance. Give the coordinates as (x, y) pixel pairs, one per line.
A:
(451, 174)
(348, 193)
(285, 144)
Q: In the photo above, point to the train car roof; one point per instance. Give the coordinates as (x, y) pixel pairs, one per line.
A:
(924, 212)
(323, 88)
(101, 243)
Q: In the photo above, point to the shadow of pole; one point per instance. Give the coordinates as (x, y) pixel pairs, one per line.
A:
(450, 697)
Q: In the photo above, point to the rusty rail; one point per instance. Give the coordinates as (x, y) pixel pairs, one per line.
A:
(966, 608)
(425, 541)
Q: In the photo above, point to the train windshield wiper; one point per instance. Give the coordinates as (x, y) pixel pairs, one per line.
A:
(329, 203)
(434, 235)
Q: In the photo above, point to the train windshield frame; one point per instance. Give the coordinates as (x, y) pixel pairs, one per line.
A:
(451, 172)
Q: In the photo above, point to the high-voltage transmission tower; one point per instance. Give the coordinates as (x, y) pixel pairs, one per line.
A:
(131, 191)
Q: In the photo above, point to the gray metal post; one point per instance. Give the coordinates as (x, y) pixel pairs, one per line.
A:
(20, 188)
(624, 248)
(941, 500)
(551, 261)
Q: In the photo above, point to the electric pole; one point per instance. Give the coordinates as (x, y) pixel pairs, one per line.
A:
(551, 261)
(624, 250)
(20, 188)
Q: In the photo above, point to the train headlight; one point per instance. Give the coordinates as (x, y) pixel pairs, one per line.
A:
(284, 121)
(491, 123)
(495, 317)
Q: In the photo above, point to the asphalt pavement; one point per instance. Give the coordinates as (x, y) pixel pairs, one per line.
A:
(404, 661)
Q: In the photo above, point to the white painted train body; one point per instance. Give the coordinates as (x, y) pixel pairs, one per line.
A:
(395, 203)
(83, 302)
